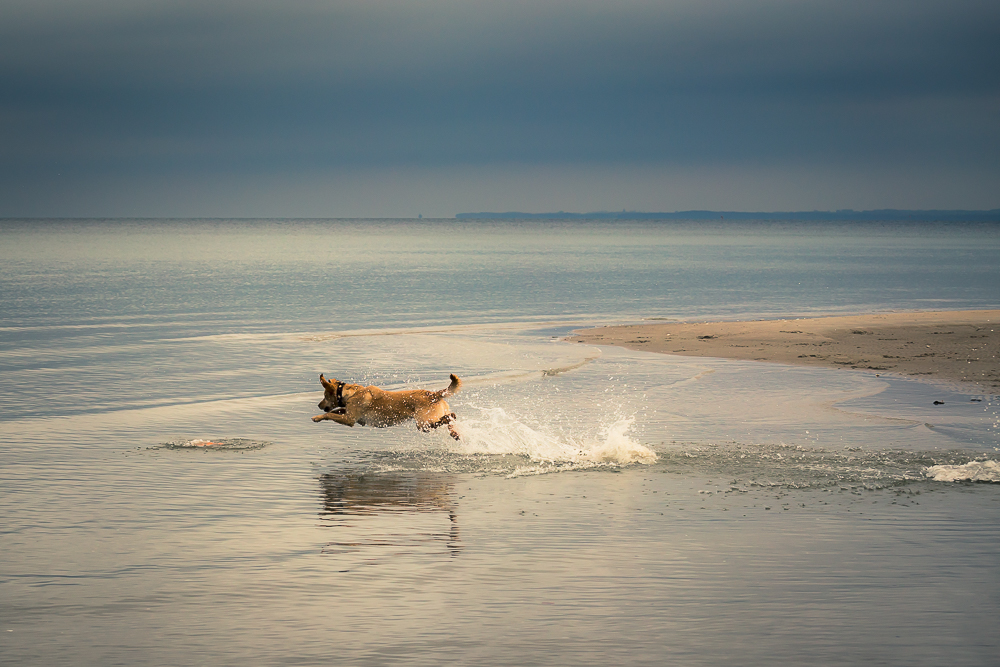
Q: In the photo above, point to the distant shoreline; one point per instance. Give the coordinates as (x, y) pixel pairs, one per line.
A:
(957, 346)
(879, 215)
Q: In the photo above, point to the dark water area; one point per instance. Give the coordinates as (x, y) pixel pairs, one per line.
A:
(167, 500)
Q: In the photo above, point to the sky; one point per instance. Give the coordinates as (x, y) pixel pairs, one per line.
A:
(399, 108)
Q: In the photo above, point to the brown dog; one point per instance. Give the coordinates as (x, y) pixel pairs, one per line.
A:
(351, 404)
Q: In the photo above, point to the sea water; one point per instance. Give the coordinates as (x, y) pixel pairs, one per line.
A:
(167, 500)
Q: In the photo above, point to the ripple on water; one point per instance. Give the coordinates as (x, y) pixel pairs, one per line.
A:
(798, 467)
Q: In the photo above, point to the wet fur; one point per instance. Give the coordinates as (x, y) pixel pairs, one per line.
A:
(351, 404)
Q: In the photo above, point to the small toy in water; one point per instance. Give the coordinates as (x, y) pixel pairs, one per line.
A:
(219, 444)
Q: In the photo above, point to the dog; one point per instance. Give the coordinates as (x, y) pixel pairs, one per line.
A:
(351, 404)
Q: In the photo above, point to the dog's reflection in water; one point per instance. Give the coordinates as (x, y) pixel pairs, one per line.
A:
(390, 514)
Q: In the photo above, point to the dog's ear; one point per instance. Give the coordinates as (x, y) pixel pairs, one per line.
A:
(323, 381)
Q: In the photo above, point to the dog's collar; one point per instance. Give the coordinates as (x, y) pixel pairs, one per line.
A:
(340, 394)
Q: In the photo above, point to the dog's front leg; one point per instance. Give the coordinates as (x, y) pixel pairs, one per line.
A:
(339, 417)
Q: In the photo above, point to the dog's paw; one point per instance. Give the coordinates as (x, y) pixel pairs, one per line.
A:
(319, 418)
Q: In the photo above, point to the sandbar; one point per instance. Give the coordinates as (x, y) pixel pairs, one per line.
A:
(953, 346)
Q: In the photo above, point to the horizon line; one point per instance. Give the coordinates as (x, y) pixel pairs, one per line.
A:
(846, 214)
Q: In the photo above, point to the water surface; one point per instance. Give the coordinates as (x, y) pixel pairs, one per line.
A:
(167, 500)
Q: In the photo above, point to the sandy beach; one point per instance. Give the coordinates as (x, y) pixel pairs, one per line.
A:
(954, 346)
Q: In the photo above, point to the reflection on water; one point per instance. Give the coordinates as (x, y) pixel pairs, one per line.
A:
(377, 516)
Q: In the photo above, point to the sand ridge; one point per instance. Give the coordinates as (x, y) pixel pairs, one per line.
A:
(957, 346)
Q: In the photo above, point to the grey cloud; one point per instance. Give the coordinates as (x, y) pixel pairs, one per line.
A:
(186, 45)
(234, 86)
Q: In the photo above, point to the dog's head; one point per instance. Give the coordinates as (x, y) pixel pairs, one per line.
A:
(333, 394)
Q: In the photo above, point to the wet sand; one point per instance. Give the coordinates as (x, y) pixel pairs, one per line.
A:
(954, 346)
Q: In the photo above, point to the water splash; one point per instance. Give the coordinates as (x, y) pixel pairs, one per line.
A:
(619, 448)
(974, 471)
(496, 432)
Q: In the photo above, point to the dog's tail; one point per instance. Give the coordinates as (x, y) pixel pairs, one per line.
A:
(453, 388)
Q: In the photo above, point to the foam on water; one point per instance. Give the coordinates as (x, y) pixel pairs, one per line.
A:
(974, 471)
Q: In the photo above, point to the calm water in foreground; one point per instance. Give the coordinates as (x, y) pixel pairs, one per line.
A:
(603, 507)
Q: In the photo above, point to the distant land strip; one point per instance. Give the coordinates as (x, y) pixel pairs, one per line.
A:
(886, 214)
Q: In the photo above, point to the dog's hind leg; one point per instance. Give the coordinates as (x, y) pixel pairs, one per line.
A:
(445, 420)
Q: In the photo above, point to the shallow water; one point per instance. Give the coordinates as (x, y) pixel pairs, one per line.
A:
(168, 501)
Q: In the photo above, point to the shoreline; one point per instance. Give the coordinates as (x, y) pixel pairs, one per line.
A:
(960, 346)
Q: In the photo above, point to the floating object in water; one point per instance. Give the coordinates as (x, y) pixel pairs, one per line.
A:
(216, 443)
